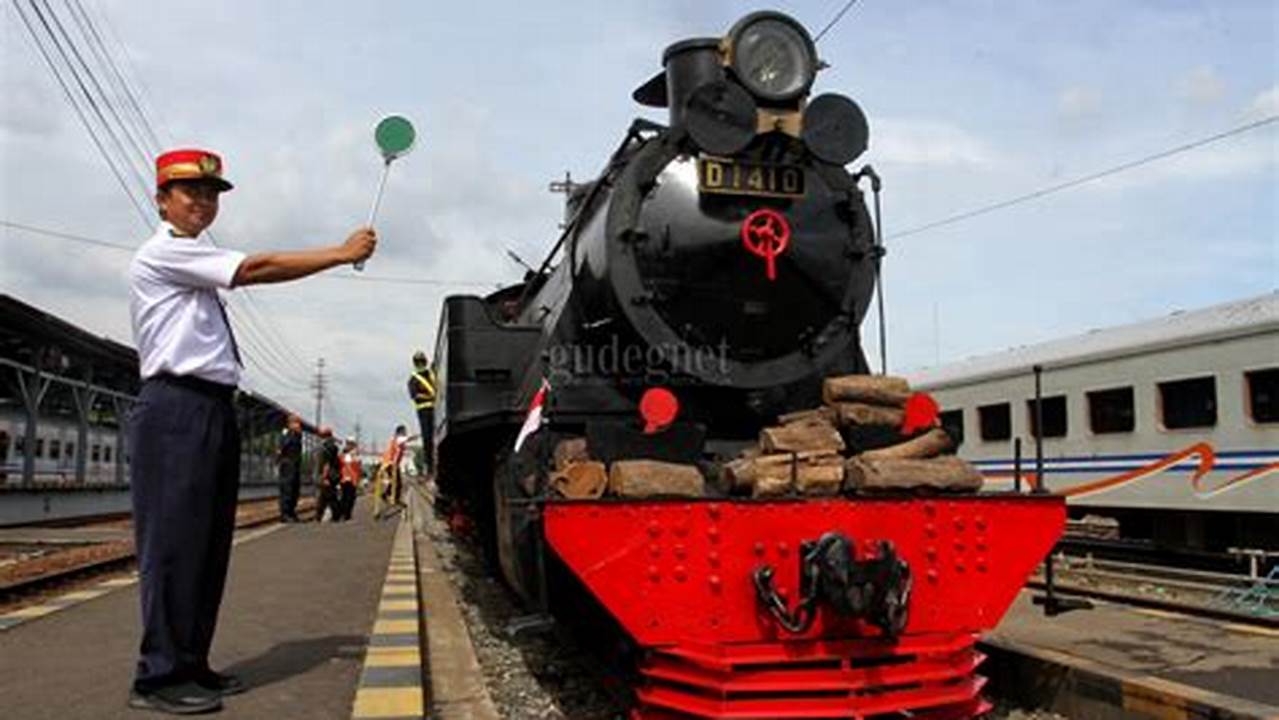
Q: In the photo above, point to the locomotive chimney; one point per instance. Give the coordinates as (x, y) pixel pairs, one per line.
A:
(689, 65)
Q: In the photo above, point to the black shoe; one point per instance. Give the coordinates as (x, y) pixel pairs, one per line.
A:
(220, 683)
(183, 699)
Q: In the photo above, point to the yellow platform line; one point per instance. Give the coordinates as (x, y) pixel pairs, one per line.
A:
(400, 702)
(389, 685)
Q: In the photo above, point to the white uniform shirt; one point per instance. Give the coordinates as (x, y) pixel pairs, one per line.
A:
(178, 324)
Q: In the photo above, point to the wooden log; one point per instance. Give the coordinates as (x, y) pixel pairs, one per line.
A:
(814, 472)
(824, 479)
(943, 473)
(569, 451)
(648, 478)
(772, 486)
(581, 480)
(801, 437)
(875, 389)
(850, 414)
(930, 444)
(819, 476)
(821, 414)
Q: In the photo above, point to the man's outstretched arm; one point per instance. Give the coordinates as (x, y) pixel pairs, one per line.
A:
(274, 267)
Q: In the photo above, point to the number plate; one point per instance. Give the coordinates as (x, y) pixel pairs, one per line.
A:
(731, 177)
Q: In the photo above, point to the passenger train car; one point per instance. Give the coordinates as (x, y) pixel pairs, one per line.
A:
(56, 449)
(1169, 426)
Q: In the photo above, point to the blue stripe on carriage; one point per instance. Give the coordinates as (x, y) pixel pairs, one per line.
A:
(1030, 467)
(1272, 454)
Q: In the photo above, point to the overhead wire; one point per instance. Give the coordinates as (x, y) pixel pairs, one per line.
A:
(1091, 177)
(99, 49)
(128, 130)
(271, 348)
(279, 352)
(835, 20)
(142, 92)
(76, 237)
(80, 82)
(126, 138)
(84, 120)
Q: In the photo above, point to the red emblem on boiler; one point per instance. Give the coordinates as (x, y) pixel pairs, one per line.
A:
(766, 233)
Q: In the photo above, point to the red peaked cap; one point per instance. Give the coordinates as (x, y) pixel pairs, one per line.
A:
(190, 164)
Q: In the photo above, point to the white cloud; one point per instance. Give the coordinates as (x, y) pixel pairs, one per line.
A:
(914, 142)
(1079, 103)
(1265, 104)
(1202, 86)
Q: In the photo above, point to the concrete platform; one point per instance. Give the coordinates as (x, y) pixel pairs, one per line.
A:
(1120, 661)
(300, 608)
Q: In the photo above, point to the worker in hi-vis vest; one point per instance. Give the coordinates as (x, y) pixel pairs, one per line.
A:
(422, 388)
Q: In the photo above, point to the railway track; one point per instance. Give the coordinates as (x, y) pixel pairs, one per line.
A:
(1220, 596)
(102, 558)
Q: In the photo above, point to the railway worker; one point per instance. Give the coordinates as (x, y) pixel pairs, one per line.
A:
(328, 474)
(183, 436)
(351, 472)
(289, 460)
(389, 476)
(422, 389)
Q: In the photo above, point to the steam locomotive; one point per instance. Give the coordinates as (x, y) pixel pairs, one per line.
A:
(729, 257)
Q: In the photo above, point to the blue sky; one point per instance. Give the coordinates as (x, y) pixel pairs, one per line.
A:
(969, 103)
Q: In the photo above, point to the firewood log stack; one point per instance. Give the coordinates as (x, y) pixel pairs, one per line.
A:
(853, 443)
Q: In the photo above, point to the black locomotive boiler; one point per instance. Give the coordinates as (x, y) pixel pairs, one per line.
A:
(728, 257)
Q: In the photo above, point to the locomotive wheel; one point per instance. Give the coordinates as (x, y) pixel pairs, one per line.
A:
(513, 540)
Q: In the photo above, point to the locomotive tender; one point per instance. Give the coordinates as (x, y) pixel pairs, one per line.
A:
(728, 256)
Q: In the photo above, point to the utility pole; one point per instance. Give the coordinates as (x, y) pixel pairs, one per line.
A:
(565, 187)
(318, 385)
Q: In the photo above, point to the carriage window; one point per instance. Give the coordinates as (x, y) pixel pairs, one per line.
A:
(39, 447)
(1054, 416)
(1111, 411)
(19, 445)
(1263, 395)
(95, 454)
(952, 421)
(70, 451)
(4, 446)
(55, 449)
(106, 453)
(996, 421)
(1189, 403)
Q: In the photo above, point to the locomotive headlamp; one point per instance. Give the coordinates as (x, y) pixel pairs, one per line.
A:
(773, 56)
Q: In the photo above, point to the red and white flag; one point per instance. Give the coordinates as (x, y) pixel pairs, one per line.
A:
(533, 420)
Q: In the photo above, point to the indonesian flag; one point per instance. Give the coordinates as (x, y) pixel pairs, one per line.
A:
(534, 418)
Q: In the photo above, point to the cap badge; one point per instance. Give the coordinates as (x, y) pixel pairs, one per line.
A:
(209, 165)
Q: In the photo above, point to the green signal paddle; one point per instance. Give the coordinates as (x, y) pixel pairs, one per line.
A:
(394, 136)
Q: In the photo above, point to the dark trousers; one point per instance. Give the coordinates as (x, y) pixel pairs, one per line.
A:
(290, 485)
(185, 476)
(346, 500)
(426, 419)
(326, 497)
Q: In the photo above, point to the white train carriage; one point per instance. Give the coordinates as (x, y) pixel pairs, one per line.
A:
(1171, 425)
(55, 451)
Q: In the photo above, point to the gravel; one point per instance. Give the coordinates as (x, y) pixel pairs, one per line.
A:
(535, 674)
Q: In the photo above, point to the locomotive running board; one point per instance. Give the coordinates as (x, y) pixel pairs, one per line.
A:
(677, 576)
